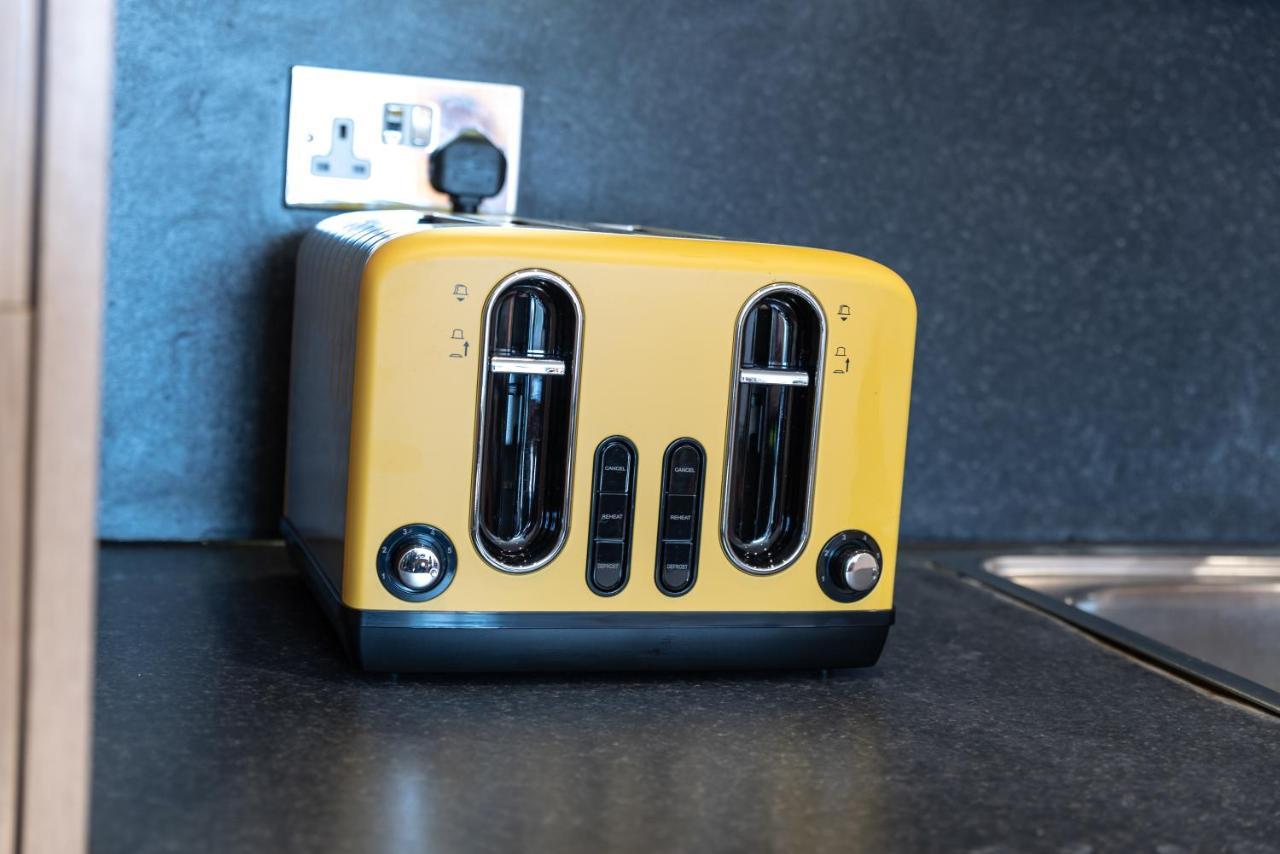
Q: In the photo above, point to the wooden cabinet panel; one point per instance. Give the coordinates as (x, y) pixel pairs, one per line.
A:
(14, 342)
(51, 291)
(18, 73)
(74, 152)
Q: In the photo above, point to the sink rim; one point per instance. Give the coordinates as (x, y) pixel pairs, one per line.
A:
(1137, 565)
(1008, 572)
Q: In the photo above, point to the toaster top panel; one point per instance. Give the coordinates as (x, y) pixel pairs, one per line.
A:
(621, 421)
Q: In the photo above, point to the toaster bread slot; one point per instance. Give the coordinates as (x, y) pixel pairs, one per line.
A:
(528, 397)
(771, 446)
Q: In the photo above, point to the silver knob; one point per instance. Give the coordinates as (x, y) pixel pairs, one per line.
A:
(419, 568)
(861, 571)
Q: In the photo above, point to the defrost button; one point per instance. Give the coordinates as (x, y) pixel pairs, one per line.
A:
(676, 571)
(606, 568)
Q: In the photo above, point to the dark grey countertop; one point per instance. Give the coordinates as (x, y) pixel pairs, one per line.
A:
(228, 720)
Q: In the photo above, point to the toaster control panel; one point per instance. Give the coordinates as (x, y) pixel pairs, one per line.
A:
(679, 519)
(612, 509)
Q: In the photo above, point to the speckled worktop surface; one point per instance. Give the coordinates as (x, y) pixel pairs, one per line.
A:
(228, 720)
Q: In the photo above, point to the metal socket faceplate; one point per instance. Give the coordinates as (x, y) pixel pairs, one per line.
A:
(359, 140)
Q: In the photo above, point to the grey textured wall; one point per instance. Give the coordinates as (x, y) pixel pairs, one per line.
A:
(1084, 196)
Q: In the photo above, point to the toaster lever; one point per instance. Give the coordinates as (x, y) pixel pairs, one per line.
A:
(769, 376)
(524, 365)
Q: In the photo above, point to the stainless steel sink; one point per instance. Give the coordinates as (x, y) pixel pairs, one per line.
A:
(1215, 618)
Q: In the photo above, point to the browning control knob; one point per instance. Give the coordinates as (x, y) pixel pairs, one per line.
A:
(861, 570)
(417, 562)
(850, 566)
(418, 567)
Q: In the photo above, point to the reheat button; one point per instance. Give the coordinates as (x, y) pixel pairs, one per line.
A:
(680, 516)
(611, 516)
(677, 518)
(612, 506)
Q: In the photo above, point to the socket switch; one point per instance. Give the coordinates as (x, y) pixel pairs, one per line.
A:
(358, 139)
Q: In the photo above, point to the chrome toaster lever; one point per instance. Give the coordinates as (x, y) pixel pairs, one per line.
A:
(771, 376)
(522, 365)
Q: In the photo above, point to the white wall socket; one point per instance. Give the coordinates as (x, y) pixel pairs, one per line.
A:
(361, 140)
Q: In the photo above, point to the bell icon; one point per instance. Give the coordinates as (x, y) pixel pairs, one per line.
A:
(459, 292)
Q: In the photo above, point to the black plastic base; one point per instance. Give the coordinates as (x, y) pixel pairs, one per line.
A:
(437, 642)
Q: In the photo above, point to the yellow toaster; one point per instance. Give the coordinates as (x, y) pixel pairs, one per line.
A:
(520, 445)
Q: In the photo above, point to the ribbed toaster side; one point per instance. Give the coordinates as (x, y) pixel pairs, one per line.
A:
(331, 264)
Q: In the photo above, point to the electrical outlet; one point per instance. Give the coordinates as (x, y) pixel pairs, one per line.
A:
(358, 139)
(341, 161)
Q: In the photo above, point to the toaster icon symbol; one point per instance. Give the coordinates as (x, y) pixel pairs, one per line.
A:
(459, 292)
(459, 335)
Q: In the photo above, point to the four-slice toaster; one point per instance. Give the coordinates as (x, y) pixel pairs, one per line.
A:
(520, 445)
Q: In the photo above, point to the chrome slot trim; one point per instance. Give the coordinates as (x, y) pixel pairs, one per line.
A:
(754, 376)
(819, 368)
(485, 371)
(513, 365)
